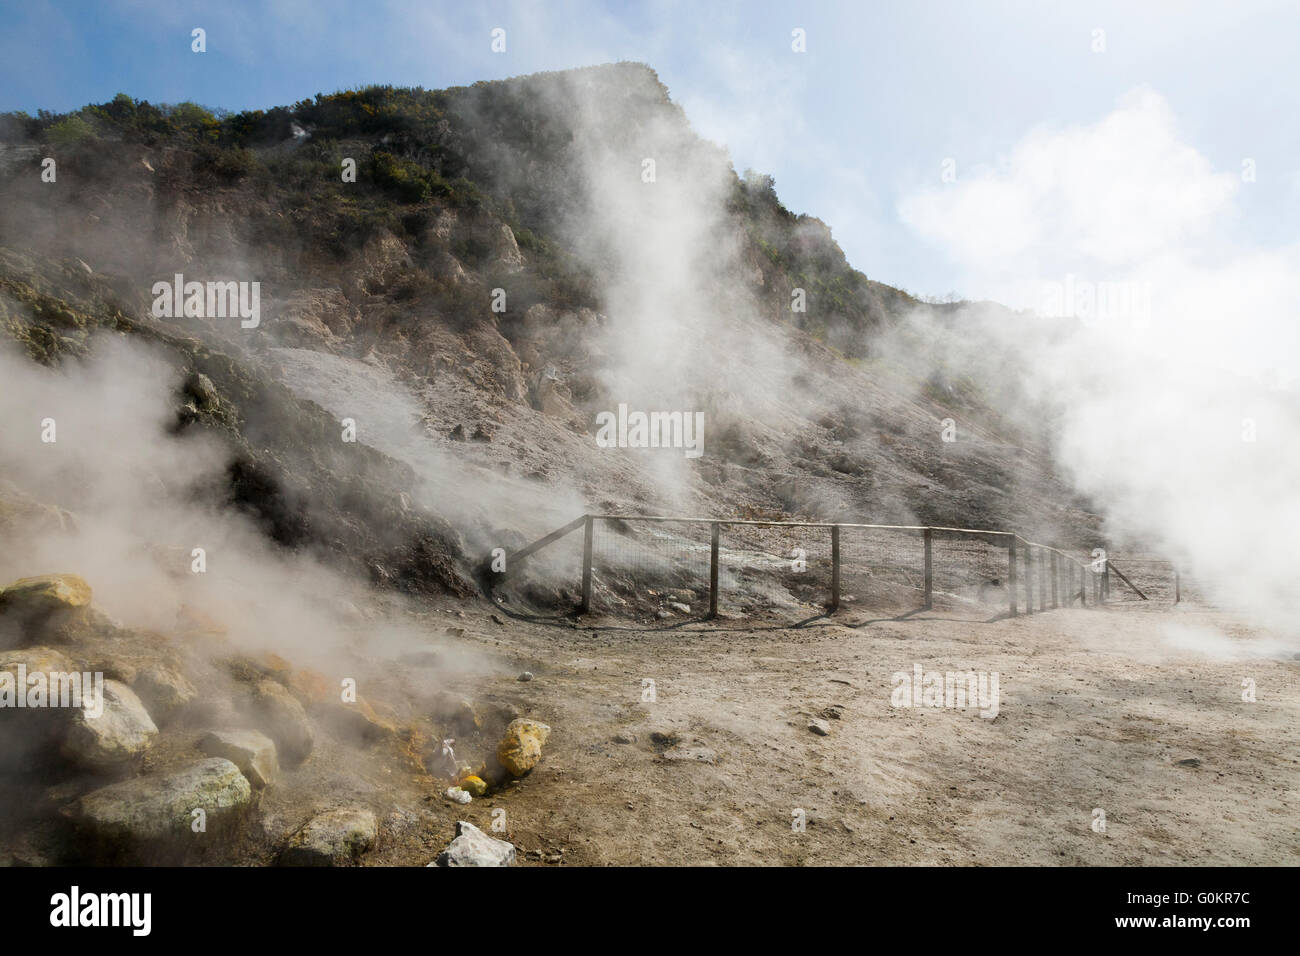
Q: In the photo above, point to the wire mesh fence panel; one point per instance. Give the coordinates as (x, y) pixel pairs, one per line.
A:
(650, 567)
(782, 569)
(1153, 576)
(969, 572)
(548, 581)
(661, 568)
(881, 569)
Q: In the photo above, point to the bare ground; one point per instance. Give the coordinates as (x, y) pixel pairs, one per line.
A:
(1099, 709)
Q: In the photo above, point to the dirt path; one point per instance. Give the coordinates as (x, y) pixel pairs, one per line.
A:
(1097, 709)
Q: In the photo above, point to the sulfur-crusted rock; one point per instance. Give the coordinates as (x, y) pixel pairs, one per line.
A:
(332, 838)
(122, 731)
(252, 752)
(521, 747)
(46, 592)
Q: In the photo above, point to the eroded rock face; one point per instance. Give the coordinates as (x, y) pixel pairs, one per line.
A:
(521, 747)
(473, 847)
(252, 752)
(284, 720)
(332, 838)
(158, 809)
(124, 730)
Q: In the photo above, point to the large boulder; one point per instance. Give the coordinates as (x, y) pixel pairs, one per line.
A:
(26, 733)
(473, 847)
(165, 690)
(46, 592)
(521, 747)
(156, 812)
(29, 605)
(252, 752)
(332, 838)
(284, 720)
(120, 732)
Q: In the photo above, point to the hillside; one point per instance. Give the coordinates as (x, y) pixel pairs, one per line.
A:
(475, 428)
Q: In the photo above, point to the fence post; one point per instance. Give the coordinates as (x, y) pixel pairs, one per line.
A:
(1083, 585)
(1029, 578)
(1105, 579)
(1056, 581)
(835, 568)
(1011, 573)
(586, 565)
(713, 571)
(1178, 586)
(929, 569)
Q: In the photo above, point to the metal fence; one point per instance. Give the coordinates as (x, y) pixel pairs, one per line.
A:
(701, 566)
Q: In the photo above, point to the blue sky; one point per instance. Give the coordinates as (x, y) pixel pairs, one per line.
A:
(853, 129)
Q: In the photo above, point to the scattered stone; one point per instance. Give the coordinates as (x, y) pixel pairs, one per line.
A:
(521, 747)
(525, 677)
(473, 847)
(124, 730)
(331, 839)
(662, 615)
(474, 785)
(252, 752)
(833, 712)
(154, 808)
(497, 620)
(663, 739)
(457, 795)
(284, 720)
(625, 738)
(820, 727)
(679, 607)
(1190, 762)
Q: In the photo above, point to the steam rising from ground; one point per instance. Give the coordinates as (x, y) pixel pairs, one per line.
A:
(134, 490)
(1175, 387)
